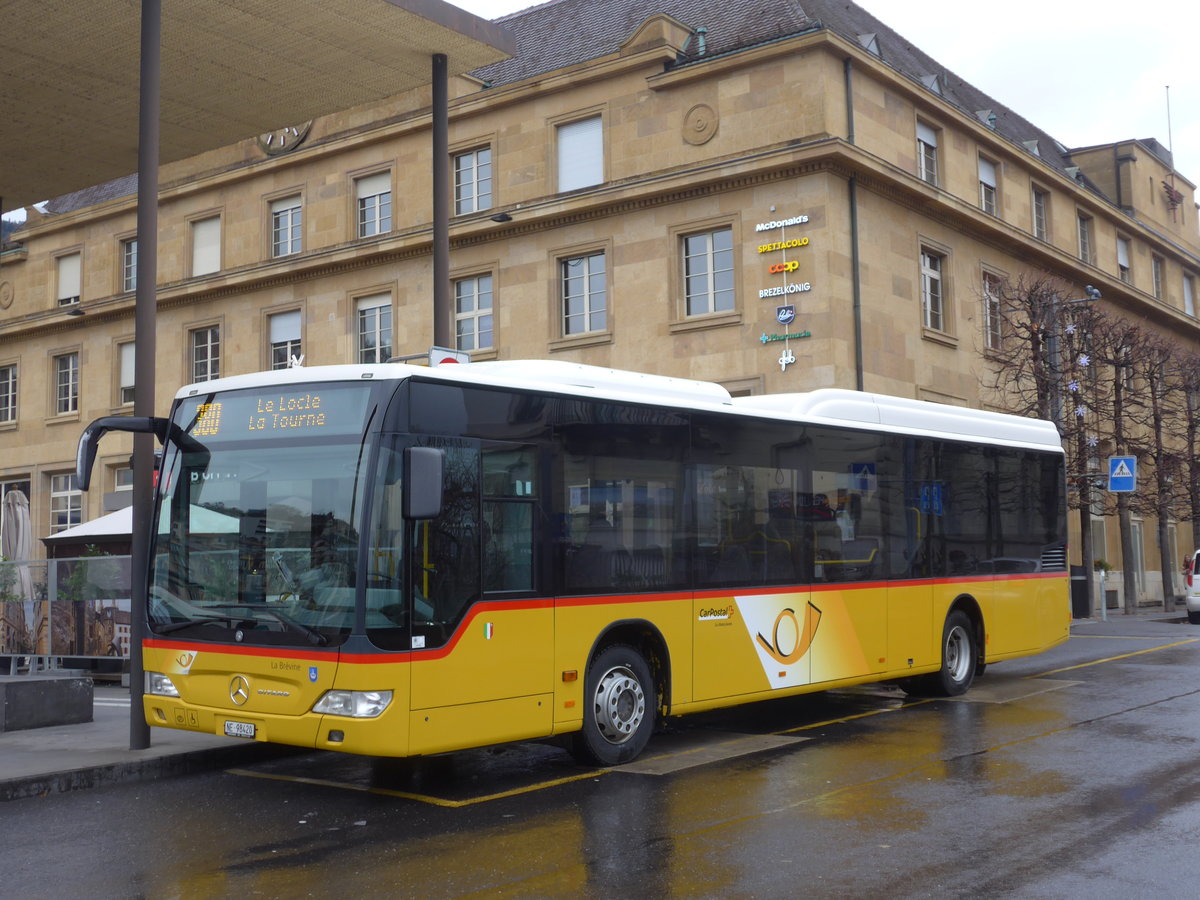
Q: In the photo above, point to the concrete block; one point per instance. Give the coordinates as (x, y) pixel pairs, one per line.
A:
(36, 701)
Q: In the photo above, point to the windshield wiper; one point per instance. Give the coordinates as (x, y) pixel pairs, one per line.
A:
(313, 636)
(202, 620)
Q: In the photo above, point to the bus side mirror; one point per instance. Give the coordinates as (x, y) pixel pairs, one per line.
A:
(89, 441)
(422, 482)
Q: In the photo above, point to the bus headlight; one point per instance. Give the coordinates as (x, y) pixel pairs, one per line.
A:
(160, 685)
(355, 704)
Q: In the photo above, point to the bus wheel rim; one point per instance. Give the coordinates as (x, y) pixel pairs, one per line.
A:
(958, 653)
(619, 704)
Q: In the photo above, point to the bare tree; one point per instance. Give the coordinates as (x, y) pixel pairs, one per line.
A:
(1040, 366)
(1116, 343)
(1158, 404)
(1187, 427)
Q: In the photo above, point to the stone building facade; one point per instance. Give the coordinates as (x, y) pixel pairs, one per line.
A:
(647, 184)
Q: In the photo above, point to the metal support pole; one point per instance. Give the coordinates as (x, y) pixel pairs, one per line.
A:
(143, 358)
(443, 314)
(1054, 364)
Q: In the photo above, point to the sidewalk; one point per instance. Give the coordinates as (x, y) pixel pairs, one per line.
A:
(39, 761)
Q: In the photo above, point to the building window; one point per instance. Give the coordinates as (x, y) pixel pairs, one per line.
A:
(932, 295)
(1156, 267)
(286, 225)
(473, 181)
(206, 246)
(66, 503)
(473, 312)
(993, 290)
(1123, 260)
(123, 478)
(375, 328)
(8, 393)
(284, 334)
(584, 294)
(987, 186)
(708, 272)
(374, 203)
(927, 161)
(206, 353)
(1086, 251)
(66, 383)
(129, 252)
(580, 153)
(68, 279)
(125, 390)
(1189, 295)
(1041, 217)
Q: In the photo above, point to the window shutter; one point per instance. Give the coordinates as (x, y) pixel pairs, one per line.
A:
(987, 173)
(1123, 252)
(68, 276)
(373, 184)
(926, 134)
(285, 327)
(206, 246)
(580, 154)
(127, 356)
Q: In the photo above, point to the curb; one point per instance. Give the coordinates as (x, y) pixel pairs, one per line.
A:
(166, 766)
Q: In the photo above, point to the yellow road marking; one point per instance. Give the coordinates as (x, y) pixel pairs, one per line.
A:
(873, 712)
(1096, 662)
(420, 798)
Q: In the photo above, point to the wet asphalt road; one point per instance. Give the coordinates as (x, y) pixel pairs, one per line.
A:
(1072, 774)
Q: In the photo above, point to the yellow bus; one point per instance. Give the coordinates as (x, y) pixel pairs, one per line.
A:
(396, 560)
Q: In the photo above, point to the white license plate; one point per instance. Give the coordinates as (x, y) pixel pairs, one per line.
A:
(239, 729)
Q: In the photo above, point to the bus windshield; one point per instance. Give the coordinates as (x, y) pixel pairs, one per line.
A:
(257, 539)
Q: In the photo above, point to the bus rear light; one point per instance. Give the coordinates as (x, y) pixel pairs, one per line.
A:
(353, 704)
(160, 685)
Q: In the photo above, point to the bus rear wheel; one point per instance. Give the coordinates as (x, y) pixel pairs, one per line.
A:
(619, 708)
(960, 661)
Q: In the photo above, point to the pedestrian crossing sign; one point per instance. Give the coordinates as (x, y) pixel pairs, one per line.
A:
(1122, 473)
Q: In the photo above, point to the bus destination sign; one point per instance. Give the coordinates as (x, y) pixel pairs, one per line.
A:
(324, 409)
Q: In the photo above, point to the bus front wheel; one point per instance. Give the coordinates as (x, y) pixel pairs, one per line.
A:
(960, 661)
(619, 708)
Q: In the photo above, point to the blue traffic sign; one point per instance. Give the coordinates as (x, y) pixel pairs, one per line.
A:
(1122, 473)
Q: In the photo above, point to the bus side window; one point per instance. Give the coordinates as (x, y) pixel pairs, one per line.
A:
(510, 492)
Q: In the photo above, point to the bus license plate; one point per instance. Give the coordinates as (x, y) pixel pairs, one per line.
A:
(239, 729)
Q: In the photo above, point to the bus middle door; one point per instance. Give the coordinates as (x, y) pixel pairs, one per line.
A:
(482, 647)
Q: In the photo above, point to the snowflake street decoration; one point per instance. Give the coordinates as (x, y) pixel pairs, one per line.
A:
(1084, 360)
(1071, 328)
(1080, 412)
(1093, 441)
(1073, 386)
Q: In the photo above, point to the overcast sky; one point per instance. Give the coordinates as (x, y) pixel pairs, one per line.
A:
(1086, 73)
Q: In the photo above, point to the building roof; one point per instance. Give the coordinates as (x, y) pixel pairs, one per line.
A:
(587, 29)
(70, 71)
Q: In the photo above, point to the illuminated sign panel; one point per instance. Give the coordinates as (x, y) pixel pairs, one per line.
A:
(299, 411)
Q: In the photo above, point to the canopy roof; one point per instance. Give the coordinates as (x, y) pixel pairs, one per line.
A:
(231, 69)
